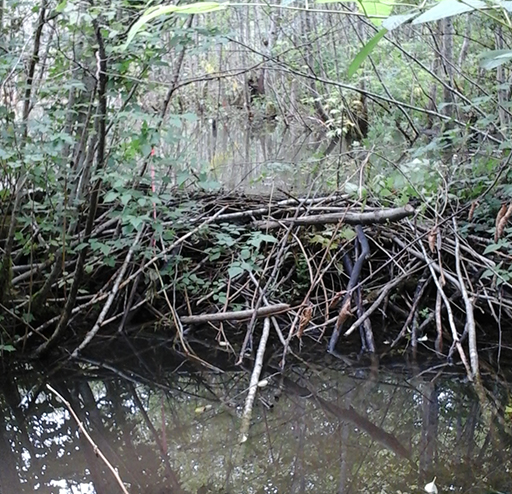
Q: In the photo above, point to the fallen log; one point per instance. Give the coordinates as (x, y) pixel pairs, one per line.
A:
(239, 315)
(348, 217)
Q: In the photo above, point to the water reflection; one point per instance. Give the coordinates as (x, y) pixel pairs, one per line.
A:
(257, 157)
(168, 428)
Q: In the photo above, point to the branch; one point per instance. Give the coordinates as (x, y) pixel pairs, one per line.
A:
(380, 216)
(253, 386)
(32, 66)
(470, 319)
(239, 315)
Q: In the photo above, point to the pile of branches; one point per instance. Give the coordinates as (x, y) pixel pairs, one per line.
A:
(324, 269)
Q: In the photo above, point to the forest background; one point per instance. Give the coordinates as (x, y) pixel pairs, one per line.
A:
(94, 96)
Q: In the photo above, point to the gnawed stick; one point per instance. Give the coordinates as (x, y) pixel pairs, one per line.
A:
(470, 319)
(349, 218)
(451, 320)
(255, 378)
(238, 315)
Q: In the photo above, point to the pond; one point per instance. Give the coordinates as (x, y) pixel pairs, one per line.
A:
(256, 157)
(169, 426)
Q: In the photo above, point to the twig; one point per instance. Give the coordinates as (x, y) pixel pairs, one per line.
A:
(97, 450)
(419, 294)
(255, 378)
(439, 324)
(470, 319)
(387, 288)
(92, 333)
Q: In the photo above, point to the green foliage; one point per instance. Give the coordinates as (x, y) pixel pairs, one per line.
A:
(443, 10)
(161, 10)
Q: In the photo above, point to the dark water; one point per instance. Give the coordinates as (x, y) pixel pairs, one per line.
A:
(169, 427)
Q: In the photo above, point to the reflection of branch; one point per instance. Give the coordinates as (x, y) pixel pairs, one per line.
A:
(378, 434)
(173, 478)
(97, 450)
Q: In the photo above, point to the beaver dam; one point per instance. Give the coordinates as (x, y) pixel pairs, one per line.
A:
(232, 272)
(364, 319)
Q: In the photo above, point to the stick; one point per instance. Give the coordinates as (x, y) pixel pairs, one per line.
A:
(239, 315)
(380, 216)
(92, 333)
(387, 288)
(255, 378)
(470, 319)
(451, 320)
(423, 284)
(345, 306)
(97, 450)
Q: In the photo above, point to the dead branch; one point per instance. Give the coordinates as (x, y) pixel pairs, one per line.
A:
(470, 319)
(255, 378)
(239, 315)
(350, 218)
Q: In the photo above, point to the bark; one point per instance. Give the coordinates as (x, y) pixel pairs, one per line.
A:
(501, 79)
(447, 33)
(349, 218)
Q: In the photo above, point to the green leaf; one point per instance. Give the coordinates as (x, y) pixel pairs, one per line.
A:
(494, 247)
(110, 196)
(257, 238)
(136, 221)
(126, 198)
(102, 247)
(7, 348)
(375, 9)
(235, 270)
(61, 6)
(347, 233)
(494, 58)
(371, 8)
(160, 10)
(507, 5)
(449, 8)
(365, 51)
(394, 21)
(214, 255)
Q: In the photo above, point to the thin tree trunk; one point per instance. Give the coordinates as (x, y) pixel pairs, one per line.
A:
(504, 117)
(447, 33)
